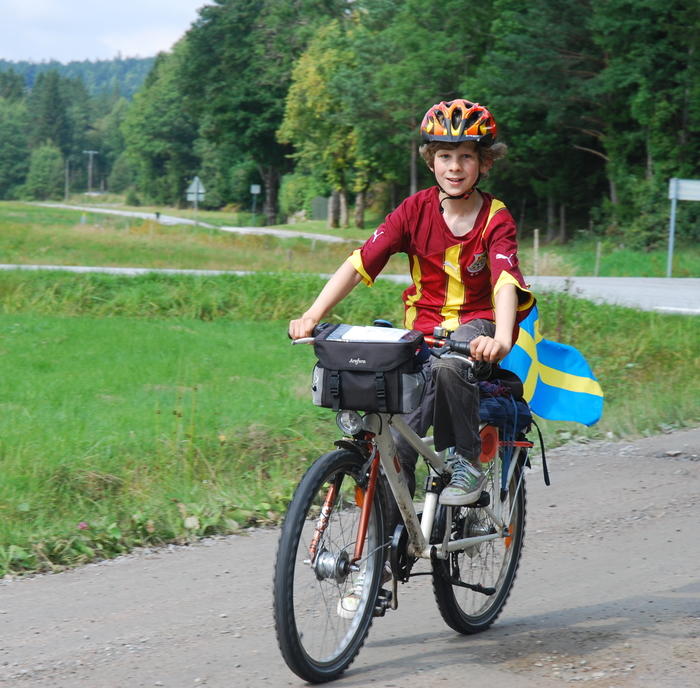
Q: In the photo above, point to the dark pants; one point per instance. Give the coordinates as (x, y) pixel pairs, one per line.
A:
(450, 406)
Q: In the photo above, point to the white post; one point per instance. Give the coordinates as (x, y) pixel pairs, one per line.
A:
(598, 248)
(673, 193)
(536, 252)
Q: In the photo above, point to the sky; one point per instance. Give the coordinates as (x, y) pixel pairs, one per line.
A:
(67, 30)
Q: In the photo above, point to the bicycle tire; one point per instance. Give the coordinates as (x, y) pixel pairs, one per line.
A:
(491, 564)
(316, 642)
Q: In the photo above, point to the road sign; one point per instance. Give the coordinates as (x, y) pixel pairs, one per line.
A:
(679, 190)
(684, 189)
(255, 189)
(196, 190)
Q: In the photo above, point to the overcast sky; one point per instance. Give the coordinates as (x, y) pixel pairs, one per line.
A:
(67, 30)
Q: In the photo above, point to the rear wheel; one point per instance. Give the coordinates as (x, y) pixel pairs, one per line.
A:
(492, 564)
(320, 625)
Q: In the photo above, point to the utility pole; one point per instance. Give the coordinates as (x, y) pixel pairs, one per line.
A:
(91, 154)
(66, 192)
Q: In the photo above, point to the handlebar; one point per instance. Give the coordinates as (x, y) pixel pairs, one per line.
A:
(439, 344)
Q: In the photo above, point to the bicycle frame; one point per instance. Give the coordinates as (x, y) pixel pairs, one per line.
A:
(419, 530)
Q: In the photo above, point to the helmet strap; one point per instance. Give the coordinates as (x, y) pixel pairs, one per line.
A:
(458, 197)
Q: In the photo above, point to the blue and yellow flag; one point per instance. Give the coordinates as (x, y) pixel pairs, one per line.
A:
(559, 384)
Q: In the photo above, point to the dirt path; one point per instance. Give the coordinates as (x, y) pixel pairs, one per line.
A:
(608, 595)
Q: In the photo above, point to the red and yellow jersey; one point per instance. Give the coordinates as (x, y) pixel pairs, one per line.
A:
(455, 279)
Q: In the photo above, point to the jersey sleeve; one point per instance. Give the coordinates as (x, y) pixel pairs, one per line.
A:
(503, 261)
(369, 260)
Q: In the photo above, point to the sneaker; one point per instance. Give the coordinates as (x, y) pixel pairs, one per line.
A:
(466, 484)
(349, 604)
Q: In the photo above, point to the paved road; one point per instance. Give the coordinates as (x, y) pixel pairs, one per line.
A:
(679, 295)
(607, 595)
(668, 295)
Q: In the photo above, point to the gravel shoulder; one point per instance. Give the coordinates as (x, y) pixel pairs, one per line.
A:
(607, 594)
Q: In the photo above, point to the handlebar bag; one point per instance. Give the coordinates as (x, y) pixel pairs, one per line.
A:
(368, 369)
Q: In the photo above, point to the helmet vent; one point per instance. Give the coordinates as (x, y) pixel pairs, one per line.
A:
(473, 118)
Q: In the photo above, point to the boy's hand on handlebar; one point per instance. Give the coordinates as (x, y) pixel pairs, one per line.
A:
(302, 327)
(485, 348)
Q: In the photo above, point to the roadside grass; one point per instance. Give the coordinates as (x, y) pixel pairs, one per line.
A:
(163, 408)
(576, 258)
(118, 432)
(52, 236)
(37, 235)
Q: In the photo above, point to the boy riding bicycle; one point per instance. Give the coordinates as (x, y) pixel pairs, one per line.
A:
(462, 249)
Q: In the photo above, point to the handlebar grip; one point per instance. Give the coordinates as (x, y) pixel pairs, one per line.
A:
(320, 327)
(460, 347)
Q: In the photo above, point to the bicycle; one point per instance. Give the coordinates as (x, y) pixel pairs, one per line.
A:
(333, 543)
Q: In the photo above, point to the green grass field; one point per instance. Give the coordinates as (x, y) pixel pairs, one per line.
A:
(149, 430)
(162, 408)
(53, 236)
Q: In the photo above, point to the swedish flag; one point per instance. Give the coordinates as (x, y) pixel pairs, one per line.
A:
(559, 383)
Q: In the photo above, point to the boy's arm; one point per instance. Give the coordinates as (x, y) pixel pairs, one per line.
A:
(495, 348)
(345, 279)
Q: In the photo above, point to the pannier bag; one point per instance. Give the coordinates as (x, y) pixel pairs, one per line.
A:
(368, 369)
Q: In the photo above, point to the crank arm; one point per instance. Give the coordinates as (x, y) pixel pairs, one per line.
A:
(453, 581)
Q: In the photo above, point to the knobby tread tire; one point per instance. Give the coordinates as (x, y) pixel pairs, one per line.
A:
(446, 594)
(290, 638)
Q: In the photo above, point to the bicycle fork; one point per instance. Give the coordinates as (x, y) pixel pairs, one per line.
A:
(367, 500)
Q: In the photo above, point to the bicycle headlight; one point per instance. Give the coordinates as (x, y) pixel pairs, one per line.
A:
(350, 422)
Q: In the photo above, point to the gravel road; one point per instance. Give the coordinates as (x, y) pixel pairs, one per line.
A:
(607, 595)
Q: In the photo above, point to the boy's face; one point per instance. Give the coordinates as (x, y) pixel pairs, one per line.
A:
(457, 169)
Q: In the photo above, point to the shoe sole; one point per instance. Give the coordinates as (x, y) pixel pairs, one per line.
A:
(462, 499)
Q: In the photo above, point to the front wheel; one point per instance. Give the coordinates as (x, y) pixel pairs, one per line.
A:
(323, 605)
(491, 564)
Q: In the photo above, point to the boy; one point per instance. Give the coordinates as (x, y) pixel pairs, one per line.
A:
(462, 251)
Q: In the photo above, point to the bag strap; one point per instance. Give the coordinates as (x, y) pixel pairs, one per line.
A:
(545, 472)
(380, 391)
(334, 388)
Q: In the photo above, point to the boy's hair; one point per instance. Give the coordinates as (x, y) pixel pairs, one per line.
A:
(491, 153)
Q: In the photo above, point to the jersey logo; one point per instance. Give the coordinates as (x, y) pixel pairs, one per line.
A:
(508, 258)
(478, 263)
(376, 234)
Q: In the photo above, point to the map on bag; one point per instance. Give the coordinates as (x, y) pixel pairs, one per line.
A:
(368, 333)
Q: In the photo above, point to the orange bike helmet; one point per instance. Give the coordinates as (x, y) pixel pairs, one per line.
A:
(459, 120)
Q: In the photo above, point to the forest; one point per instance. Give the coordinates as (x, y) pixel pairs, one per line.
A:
(597, 100)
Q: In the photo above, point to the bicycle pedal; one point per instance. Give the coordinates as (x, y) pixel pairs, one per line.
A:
(484, 500)
(383, 602)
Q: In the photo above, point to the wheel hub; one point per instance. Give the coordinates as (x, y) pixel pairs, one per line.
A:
(329, 565)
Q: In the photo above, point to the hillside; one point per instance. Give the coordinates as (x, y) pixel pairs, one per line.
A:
(123, 75)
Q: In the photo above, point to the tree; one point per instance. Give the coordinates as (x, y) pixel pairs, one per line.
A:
(48, 113)
(534, 88)
(107, 136)
(160, 134)
(649, 101)
(11, 85)
(14, 148)
(240, 58)
(315, 119)
(46, 173)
